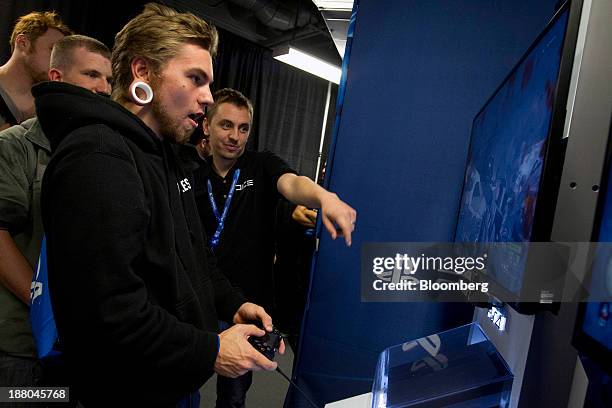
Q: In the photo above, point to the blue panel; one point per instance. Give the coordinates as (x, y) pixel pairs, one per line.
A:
(419, 72)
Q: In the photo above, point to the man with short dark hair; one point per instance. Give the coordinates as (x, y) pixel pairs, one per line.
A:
(31, 42)
(82, 61)
(24, 154)
(237, 193)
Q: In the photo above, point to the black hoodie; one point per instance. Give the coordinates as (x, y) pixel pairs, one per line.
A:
(134, 293)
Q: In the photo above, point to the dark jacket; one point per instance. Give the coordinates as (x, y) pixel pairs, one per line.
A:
(134, 294)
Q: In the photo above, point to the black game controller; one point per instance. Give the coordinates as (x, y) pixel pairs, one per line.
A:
(267, 344)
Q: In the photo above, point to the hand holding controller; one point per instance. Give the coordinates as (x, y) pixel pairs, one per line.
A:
(267, 344)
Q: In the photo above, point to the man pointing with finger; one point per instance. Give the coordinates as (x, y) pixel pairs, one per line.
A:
(237, 194)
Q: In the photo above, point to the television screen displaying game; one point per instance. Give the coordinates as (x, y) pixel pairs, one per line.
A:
(508, 149)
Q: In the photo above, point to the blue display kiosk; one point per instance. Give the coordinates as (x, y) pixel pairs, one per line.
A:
(415, 74)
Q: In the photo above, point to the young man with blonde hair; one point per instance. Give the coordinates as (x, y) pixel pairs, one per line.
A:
(24, 154)
(134, 294)
(31, 42)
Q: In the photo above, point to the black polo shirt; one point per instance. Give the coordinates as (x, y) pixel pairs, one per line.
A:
(246, 248)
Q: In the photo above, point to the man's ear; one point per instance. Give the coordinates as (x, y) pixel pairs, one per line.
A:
(55, 75)
(141, 70)
(22, 43)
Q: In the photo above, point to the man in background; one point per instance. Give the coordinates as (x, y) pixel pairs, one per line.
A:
(237, 193)
(31, 42)
(24, 154)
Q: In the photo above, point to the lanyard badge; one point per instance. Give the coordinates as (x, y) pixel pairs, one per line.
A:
(214, 241)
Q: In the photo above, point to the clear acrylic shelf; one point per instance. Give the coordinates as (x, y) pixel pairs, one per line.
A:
(458, 368)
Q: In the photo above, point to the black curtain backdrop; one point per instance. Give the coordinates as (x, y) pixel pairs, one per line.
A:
(289, 103)
(98, 19)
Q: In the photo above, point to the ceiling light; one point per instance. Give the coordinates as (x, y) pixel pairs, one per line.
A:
(334, 4)
(308, 63)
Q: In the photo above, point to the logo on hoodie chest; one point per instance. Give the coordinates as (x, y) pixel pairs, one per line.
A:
(183, 185)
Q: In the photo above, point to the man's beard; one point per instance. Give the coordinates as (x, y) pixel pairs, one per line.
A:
(36, 76)
(40, 77)
(168, 127)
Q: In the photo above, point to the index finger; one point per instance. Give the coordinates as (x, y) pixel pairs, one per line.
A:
(346, 227)
(251, 330)
(265, 318)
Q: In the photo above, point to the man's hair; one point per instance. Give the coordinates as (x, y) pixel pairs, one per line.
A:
(156, 35)
(63, 50)
(228, 95)
(37, 23)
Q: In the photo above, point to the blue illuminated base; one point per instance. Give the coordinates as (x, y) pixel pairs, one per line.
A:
(458, 368)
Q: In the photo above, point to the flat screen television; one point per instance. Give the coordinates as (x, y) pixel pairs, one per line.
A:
(593, 332)
(515, 157)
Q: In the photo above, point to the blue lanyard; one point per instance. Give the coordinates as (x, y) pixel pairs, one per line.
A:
(214, 240)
